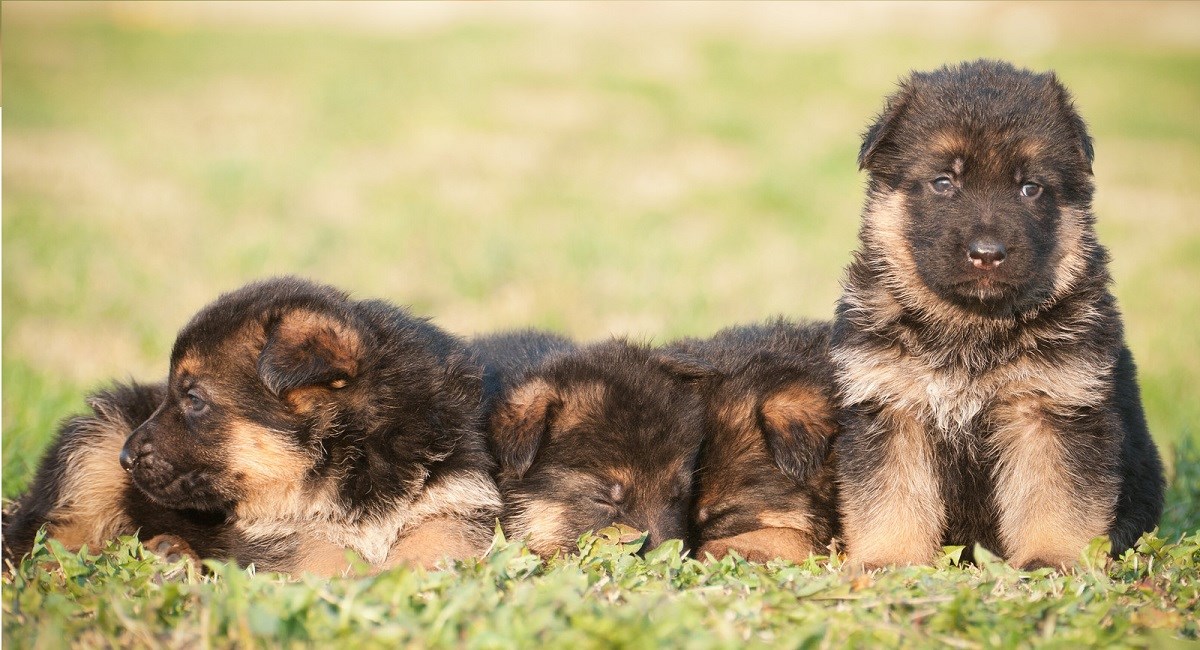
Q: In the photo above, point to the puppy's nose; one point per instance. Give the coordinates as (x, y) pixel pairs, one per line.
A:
(986, 253)
(126, 459)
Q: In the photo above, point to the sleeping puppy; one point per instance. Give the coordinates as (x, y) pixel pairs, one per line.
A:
(765, 487)
(314, 424)
(83, 498)
(600, 435)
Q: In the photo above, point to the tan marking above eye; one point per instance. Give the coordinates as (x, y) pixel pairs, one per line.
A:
(1031, 148)
(948, 141)
(187, 365)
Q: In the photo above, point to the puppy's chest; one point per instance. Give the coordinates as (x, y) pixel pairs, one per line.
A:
(958, 403)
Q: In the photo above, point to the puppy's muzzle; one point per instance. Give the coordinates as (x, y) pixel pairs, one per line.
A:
(986, 253)
(135, 448)
(127, 459)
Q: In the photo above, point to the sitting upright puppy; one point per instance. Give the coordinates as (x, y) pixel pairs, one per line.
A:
(605, 434)
(313, 424)
(989, 395)
(765, 484)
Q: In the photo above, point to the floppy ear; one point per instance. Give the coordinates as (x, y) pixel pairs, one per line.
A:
(881, 130)
(685, 366)
(798, 422)
(1083, 141)
(519, 424)
(307, 348)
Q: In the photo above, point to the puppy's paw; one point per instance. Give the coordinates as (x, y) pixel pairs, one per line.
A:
(171, 548)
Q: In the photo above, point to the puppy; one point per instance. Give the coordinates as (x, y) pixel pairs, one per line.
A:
(765, 485)
(989, 397)
(604, 434)
(313, 424)
(84, 498)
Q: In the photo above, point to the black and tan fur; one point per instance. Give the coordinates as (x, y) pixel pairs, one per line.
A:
(988, 394)
(314, 424)
(604, 434)
(765, 485)
(83, 497)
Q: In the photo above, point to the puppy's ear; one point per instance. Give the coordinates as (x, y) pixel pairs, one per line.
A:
(519, 424)
(879, 134)
(1079, 132)
(798, 422)
(685, 366)
(308, 348)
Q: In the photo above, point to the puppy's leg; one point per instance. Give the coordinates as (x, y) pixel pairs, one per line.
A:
(1056, 483)
(891, 501)
(436, 539)
(315, 555)
(762, 545)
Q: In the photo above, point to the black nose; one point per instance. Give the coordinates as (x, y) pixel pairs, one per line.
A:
(126, 459)
(986, 253)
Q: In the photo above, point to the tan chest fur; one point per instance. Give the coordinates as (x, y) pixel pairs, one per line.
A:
(947, 401)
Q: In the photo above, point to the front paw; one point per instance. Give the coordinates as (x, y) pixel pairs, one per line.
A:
(171, 548)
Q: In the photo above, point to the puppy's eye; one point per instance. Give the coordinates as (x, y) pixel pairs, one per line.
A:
(942, 185)
(1031, 190)
(195, 403)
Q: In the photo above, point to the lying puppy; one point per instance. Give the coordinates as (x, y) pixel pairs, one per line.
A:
(83, 498)
(765, 486)
(315, 424)
(989, 395)
(605, 434)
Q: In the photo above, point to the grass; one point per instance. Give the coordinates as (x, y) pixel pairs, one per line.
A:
(658, 177)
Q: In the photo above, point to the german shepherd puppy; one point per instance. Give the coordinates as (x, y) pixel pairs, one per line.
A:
(989, 395)
(312, 424)
(765, 485)
(603, 434)
(83, 498)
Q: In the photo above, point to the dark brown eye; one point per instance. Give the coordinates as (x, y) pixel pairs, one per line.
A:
(1031, 190)
(942, 185)
(195, 404)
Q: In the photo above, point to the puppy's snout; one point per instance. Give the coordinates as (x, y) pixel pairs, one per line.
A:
(134, 450)
(127, 459)
(986, 253)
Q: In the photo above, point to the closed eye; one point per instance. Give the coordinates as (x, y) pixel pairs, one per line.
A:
(710, 516)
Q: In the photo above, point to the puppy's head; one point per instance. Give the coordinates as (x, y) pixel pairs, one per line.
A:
(981, 188)
(283, 385)
(608, 434)
(765, 461)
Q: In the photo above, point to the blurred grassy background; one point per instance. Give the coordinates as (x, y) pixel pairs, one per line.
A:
(655, 170)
